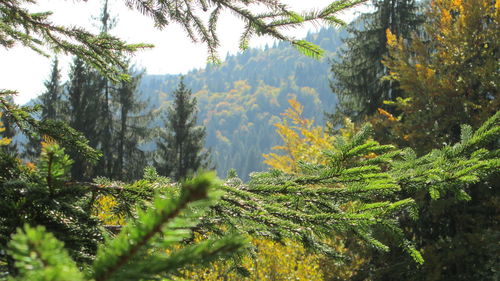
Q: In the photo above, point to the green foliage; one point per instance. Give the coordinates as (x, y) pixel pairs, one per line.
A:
(452, 66)
(39, 255)
(357, 73)
(68, 137)
(348, 196)
(308, 49)
(436, 173)
(112, 118)
(131, 129)
(51, 106)
(54, 165)
(127, 256)
(241, 99)
(363, 190)
(354, 195)
(143, 249)
(272, 19)
(41, 196)
(51, 99)
(36, 31)
(123, 120)
(22, 117)
(151, 175)
(85, 104)
(106, 53)
(180, 149)
(109, 115)
(455, 191)
(364, 193)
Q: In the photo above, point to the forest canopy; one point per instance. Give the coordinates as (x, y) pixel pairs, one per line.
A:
(392, 186)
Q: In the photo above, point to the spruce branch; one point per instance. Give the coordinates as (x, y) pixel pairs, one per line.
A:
(173, 217)
(40, 256)
(274, 20)
(36, 31)
(454, 167)
(358, 190)
(61, 132)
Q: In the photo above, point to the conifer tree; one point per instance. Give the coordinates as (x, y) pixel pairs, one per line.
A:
(106, 135)
(357, 75)
(132, 129)
(115, 121)
(364, 190)
(352, 193)
(450, 76)
(38, 195)
(51, 98)
(180, 150)
(83, 91)
(146, 248)
(51, 102)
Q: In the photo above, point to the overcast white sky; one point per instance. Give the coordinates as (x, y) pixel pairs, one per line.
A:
(25, 71)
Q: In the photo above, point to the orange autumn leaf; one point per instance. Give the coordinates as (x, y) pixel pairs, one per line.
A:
(391, 38)
(387, 114)
(31, 166)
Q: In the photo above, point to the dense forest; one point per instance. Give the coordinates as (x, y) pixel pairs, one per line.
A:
(241, 99)
(365, 151)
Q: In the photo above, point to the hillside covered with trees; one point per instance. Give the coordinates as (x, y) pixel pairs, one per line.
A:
(242, 99)
(399, 182)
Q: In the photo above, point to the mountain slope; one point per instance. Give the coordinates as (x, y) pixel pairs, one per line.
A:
(241, 99)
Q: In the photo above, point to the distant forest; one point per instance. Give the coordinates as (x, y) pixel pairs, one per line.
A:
(369, 152)
(240, 100)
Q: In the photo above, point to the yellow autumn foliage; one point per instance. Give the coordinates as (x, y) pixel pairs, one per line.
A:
(272, 261)
(104, 211)
(3, 141)
(391, 38)
(448, 72)
(302, 141)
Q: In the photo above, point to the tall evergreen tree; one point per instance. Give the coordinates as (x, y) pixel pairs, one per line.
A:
(110, 116)
(105, 165)
(123, 120)
(180, 150)
(51, 107)
(450, 77)
(358, 73)
(83, 91)
(51, 99)
(132, 128)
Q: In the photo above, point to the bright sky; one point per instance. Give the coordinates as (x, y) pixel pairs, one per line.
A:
(25, 71)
